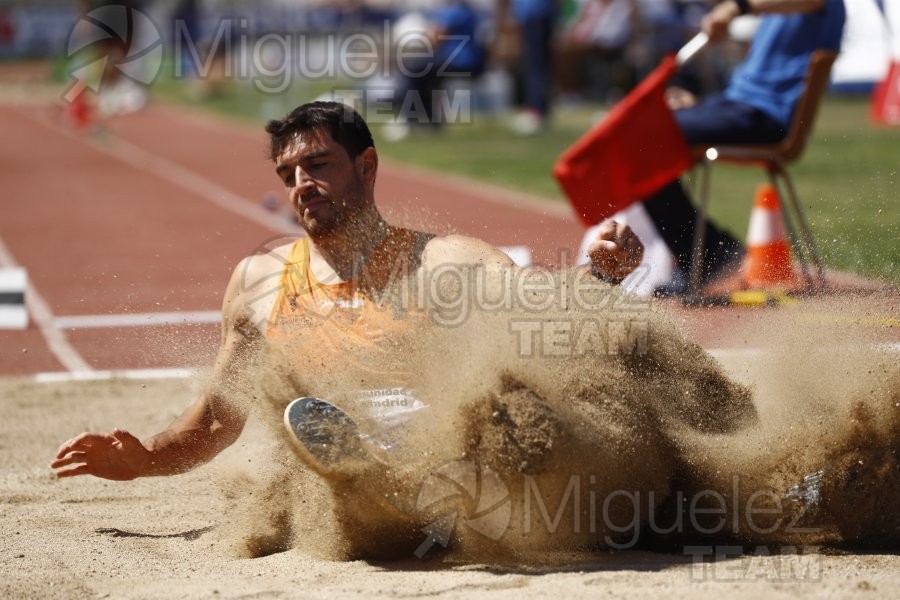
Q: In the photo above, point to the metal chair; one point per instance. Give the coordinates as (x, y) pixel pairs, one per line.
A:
(774, 159)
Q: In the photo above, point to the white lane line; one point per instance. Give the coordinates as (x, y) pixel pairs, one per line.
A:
(155, 164)
(138, 319)
(734, 352)
(143, 160)
(757, 352)
(43, 316)
(175, 373)
(413, 174)
(174, 173)
(63, 377)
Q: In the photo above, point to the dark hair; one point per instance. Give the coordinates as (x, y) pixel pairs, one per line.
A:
(345, 125)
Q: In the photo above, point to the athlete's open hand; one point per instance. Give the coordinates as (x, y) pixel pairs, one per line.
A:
(617, 250)
(117, 455)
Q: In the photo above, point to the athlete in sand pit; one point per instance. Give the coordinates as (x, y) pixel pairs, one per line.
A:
(325, 156)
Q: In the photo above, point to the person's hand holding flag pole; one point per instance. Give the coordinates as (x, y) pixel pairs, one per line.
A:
(635, 150)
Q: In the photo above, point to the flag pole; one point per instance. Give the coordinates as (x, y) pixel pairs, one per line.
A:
(690, 50)
(633, 152)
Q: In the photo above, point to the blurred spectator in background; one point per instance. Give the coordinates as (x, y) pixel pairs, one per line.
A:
(455, 56)
(186, 18)
(592, 53)
(209, 55)
(755, 108)
(536, 20)
(7, 30)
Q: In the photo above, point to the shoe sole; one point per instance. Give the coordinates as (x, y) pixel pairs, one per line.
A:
(324, 436)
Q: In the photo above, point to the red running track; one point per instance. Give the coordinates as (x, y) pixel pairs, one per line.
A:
(153, 216)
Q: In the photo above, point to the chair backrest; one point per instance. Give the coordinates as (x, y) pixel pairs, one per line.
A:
(808, 105)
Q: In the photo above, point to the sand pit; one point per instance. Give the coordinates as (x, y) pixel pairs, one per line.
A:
(195, 535)
(163, 538)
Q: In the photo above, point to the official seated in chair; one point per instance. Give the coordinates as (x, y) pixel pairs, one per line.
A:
(757, 107)
(452, 48)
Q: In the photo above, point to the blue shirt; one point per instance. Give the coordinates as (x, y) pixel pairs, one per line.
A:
(771, 78)
(524, 10)
(464, 51)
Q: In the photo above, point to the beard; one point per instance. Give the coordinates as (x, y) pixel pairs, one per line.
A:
(335, 213)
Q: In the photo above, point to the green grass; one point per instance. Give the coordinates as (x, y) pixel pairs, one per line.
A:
(846, 179)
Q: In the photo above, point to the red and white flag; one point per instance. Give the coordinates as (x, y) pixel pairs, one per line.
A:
(633, 152)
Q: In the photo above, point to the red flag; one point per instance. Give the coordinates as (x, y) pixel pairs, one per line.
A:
(634, 151)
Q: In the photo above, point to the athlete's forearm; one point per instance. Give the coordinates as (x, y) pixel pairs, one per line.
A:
(193, 439)
(172, 453)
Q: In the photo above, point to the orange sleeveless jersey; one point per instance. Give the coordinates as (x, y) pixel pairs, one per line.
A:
(338, 328)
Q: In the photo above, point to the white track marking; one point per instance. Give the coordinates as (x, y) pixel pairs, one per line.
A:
(734, 352)
(43, 316)
(414, 174)
(153, 164)
(174, 173)
(138, 319)
(757, 352)
(63, 377)
(146, 161)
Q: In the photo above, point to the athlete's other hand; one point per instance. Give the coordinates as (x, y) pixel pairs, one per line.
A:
(117, 455)
(617, 250)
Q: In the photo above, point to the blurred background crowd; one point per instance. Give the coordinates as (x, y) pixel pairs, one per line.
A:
(522, 57)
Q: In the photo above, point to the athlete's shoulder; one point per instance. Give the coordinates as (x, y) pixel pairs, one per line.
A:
(258, 271)
(462, 249)
(255, 283)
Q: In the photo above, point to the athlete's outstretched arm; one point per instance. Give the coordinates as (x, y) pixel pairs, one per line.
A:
(204, 429)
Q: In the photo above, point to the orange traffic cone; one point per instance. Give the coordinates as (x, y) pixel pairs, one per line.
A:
(886, 97)
(768, 251)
